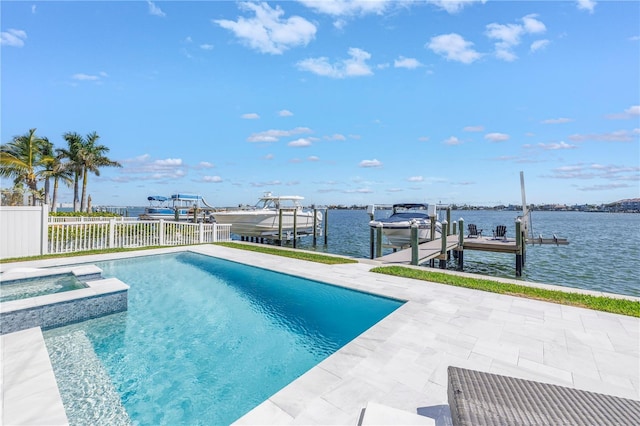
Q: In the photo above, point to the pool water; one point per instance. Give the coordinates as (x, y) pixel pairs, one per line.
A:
(204, 340)
(32, 287)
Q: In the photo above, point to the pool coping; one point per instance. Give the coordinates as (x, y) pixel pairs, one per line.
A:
(401, 361)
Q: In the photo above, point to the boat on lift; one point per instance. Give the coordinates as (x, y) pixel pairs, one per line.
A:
(397, 227)
(180, 206)
(263, 219)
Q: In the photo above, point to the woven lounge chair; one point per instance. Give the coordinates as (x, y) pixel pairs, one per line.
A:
(478, 398)
(500, 232)
(474, 232)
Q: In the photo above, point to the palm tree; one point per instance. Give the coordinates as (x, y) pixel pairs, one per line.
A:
(92, 157)
(72, 153)
(59, 171)
(22, 159)
(47, 152)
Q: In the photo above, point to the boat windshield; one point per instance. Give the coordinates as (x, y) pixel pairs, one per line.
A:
(277, 203)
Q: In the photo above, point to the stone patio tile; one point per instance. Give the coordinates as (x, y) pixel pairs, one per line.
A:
(321, 412)
(266, 413)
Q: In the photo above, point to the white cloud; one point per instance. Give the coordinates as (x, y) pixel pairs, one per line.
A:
(415, 179)
(144, 169)
(631, 112)
(532, 25)
(560, 120)
(588, 5)
(354, 67)
(539, 45)
(348, 7)
(169, 162)
(452, 141)
(556, 146)
(250, 116)
(336, 137)
(454, 6)
(409, 63)
(212, 179)
(267, 31)
(509, 36)
(473, 129)
(496, 137)
(313, 158)
(206, 46)
(275, 135)
(155, 10)
(90, 77)
(204, 165)
(454, 47)
(615, 136)
(370, 163)
(13, 38)
(298, 143)
(285, 113)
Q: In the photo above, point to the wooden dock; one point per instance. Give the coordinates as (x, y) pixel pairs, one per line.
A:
(426, 251)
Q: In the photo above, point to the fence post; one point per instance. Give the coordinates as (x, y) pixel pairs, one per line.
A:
(161, 231)
(201, 232)
(44, 226)
(215, 233)
(112, 232)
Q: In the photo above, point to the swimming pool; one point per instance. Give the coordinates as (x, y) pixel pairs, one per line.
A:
(39, 286)
(203, 342)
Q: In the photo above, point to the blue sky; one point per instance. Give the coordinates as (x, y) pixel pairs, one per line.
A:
(341, 102)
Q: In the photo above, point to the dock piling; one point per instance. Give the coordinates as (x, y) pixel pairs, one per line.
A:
(460, 243)
(518, 248)
(371, 211)
(414, 243)
(443, 247)
(379, 240)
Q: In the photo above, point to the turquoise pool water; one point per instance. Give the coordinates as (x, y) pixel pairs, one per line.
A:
(204, 341)
(32, 287)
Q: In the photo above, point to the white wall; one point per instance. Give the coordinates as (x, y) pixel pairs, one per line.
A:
(23, 231)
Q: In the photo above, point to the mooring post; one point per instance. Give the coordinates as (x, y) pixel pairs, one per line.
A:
(518, 248)
(460, 243)
(371, 212)
(326, 221)
(414, 243)
(379, 240)
(449, 219)
(295, 228)
(433, 227)
(315, 225)
(443, 246)
(280, 226)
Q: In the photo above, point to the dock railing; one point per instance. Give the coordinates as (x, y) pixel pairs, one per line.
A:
(82, 235)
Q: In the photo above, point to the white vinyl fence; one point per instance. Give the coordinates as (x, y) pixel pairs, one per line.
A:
(26, 231)
(66, 237)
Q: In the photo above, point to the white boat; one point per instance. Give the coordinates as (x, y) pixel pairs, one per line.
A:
(168, 208)
(397, 227)
(263, 219)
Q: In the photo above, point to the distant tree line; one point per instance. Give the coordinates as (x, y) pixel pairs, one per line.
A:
(34, 163)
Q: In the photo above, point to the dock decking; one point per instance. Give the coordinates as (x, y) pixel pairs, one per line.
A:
(432, 249)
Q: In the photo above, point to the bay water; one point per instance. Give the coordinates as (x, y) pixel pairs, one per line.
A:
(603, 253)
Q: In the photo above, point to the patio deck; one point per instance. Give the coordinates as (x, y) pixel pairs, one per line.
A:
(402, 361)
